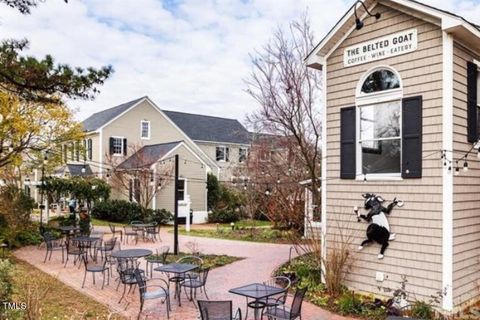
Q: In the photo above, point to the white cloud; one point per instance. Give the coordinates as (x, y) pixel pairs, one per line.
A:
(187, 55)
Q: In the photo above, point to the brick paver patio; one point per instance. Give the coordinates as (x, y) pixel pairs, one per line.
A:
(260, 260)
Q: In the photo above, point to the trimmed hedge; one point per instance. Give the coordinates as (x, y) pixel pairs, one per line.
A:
(223, 216)
(124, 211)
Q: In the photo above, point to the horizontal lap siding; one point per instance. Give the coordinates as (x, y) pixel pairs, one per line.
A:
(466, 200)
(417, 250)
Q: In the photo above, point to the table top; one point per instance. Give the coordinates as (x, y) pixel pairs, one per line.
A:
(131, 253)
(176, 267)
(257, 290)
(86, 238)
(143, 225)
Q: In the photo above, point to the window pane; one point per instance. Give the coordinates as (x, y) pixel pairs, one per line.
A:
(380, 121)
(242, 155)
(145, 127)
(220, 154)
(380, 80)
(117, 146)
(381, 156)
(181, 190)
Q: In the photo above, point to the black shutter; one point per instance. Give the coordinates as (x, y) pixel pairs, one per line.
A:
(472, 78)
(89, 147)
(124, 146)
(347, 143)
(136, 188)
(412, 137)
(130, 190)
(85, 150)
(111, 145)
(77, 150)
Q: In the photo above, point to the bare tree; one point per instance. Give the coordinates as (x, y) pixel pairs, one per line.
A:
(140, 177)
(288, 92)
(270, 181)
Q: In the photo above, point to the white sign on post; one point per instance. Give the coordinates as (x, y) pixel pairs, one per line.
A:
(389, 46)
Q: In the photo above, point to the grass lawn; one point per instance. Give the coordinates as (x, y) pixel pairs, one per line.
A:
(51, 298)
(243, 231)
(211, 261)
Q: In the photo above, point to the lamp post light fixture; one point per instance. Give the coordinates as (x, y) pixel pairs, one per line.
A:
(359, 23)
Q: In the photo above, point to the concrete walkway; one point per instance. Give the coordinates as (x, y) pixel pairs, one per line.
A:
(260, 259)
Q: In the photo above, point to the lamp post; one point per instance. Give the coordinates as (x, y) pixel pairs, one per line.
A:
(42, 190)
(175, 217)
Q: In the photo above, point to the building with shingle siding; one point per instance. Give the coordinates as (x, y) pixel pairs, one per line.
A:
(398, 90)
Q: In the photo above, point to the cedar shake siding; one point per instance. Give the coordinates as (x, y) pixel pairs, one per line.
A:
(417, 250)
(466, 197)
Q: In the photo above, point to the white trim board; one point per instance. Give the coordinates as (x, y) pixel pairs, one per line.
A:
(447, 179)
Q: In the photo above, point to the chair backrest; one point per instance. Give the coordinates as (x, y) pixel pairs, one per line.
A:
(142, 284)
(110, 244)
(49, 239)
(134, 222)
(191, 259)
(73, 245)
(203, 275)
(296, 308)
(112, 227)
(215, 309)
(162, 253)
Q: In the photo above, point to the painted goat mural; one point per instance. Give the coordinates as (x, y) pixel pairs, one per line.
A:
(378, 229)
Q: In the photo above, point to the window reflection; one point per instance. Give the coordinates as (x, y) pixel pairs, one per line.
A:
(380, 80)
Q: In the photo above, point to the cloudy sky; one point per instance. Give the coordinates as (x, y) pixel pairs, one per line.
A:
(189, 55)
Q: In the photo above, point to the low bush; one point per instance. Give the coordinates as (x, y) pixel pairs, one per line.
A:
(422, 310)
(223, 216)
(124, 211)
(6, 275)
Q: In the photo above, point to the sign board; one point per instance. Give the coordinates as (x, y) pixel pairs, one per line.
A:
(389, 46)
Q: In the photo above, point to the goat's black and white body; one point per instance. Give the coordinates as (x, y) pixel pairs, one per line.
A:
(379, 228)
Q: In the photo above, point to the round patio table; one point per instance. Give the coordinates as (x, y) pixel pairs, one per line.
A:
(131, 253)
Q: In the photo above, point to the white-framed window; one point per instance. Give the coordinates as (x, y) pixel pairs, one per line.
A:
(117, 146)
(242, 154)
(145, 129)
(222, 153)
(379, 136)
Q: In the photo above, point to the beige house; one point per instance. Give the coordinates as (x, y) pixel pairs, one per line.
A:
(401, 91)
(205, 144)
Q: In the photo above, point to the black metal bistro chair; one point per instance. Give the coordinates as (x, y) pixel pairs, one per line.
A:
(125, 269)
(53, 244)
(151, 233)
(195, 280)
(93, 267)
(130, 231)
(106, 249)
(283, 312)
(114, 230)
(161, 290)
(275, 300)
(159, 258)
(212, 310)
(75, 249)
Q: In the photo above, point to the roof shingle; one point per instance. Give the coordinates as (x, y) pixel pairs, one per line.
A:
(148, 155)
(207, 128)
(100, 118)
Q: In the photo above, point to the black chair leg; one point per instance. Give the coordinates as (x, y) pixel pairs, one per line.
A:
(84, 277)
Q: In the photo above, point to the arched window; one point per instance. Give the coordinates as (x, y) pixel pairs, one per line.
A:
(380, 80)
(378, 101)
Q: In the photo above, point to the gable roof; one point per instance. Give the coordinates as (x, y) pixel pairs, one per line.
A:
(208, 128)
(99, 119)
(452, 23)
(75, 169)
(148, 155)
